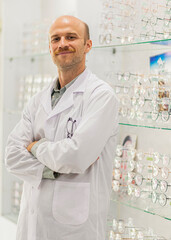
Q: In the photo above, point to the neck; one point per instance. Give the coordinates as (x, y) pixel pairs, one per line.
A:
(67, 75)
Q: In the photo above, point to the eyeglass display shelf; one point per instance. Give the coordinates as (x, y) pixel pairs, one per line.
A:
(156, 211)
(132, 44)
(19, 112)
(144, 126)
(46, 53)
(14, 217)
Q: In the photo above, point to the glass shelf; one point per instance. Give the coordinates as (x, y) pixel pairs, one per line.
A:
(45, 54)
(134, 43)
(19, 112)
(146, 207)
(31, 56)
(144, 126)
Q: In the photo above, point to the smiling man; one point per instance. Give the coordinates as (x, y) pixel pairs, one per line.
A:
(68, 43)
(63, 147)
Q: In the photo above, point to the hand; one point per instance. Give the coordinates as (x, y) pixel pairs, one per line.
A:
(31, 145)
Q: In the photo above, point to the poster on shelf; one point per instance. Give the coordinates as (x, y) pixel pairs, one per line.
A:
(161, 62)
(129, 140)
(160, 66)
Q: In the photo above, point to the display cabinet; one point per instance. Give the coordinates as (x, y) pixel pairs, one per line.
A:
(135, 51)
(132, 52)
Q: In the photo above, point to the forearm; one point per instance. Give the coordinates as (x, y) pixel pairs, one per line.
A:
(23, 165)
(47, 173)
(18, 160)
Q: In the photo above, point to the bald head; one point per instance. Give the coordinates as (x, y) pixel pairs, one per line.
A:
(71, 20)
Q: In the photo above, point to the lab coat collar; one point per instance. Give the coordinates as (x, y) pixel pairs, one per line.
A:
(66, 100)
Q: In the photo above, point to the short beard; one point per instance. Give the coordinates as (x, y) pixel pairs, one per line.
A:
(67, 65)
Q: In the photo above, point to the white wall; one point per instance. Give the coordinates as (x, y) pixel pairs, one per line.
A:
(7, 229)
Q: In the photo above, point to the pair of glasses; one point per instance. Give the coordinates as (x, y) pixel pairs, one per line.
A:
(117, 174)
(130, 166)
(120, 227)
(162, 184)
(165, 158)
(116, 185)
(113, 236)
(139, 90)
(119, 162)
(136, 178)
(135, 191)
(125, 76)
(162, 98)
(164, 115)
(152, 34)
(105, 38)
(138, 193)
(153, 20)
(71, 126)
(157, 107)
(163, 170)
(133, 233)
(131, 113)
(155, 157)
(161, 198)
(120, 89)
(138, 98)
(131, 152)
(126, 39)
(139, 102)
(107, 27)
(128, 26)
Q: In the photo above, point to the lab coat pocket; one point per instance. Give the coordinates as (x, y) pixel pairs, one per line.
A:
(71, 202)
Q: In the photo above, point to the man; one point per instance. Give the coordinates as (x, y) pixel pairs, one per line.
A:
(64, 145)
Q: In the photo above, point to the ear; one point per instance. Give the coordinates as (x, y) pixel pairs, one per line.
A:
(88, 46)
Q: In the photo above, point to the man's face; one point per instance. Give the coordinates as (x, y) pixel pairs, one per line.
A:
(67, 43)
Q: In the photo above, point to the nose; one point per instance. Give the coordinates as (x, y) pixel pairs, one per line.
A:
(63, 42)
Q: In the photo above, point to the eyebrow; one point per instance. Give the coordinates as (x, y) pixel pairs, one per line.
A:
(70, 33)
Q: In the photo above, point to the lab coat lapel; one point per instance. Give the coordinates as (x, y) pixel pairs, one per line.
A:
(67, 99)
(46, 98)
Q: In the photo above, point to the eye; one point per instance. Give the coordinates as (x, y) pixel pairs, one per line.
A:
(71, 38)
(56, 39)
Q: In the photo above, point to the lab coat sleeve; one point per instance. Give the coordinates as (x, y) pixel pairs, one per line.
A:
(18, 160)
(99, 122)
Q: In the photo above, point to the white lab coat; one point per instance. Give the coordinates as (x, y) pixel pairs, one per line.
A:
(73, 206)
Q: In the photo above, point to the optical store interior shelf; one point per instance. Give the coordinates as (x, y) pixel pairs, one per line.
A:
(148, 210)
(115, 45)
(148, 122)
